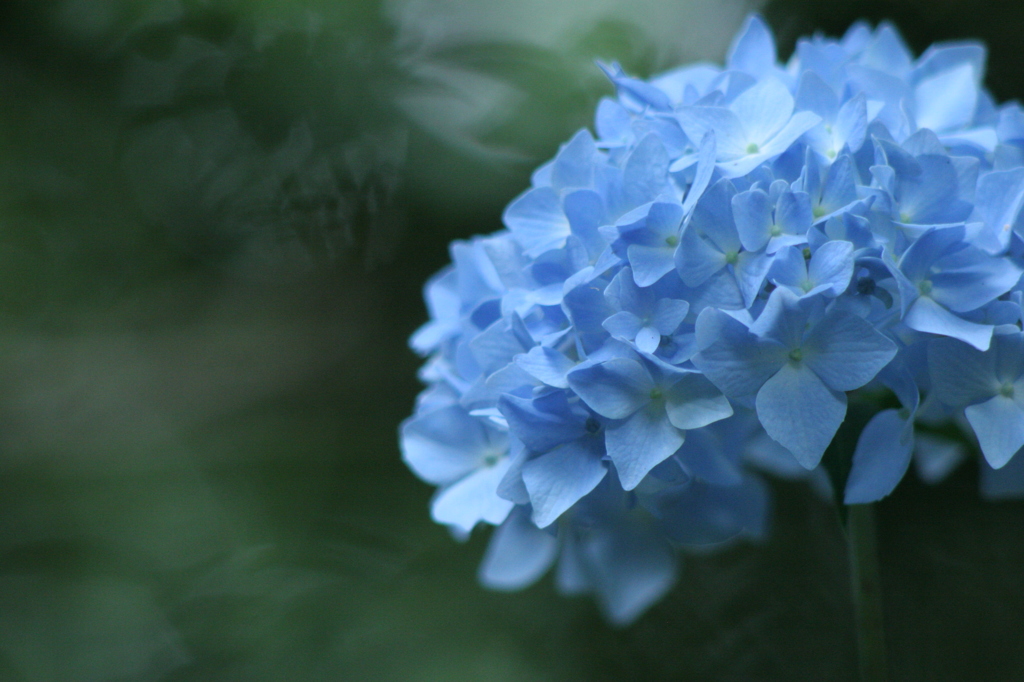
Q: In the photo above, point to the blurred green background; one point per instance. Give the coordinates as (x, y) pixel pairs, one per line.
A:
(215, 221)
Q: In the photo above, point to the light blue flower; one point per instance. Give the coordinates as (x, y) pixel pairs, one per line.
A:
(771, 220)
(990, 385)
(467, 457)
(645, 315)
(941, 276)
(567, 451)
(828, 271)
(798, 361)
(652, 404)
(757, 126)
(711, 248)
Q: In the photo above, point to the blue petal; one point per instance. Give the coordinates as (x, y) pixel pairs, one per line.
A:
(933, 196)
(793, 213)
(650, 263)
(852, 123)
(537, 221)
(880, 460)
(800, 123)
(623, 294)
(632, 568)
(730, 137)
(970, 278)
(941, 57)
(840, 185)
(1009, 356)
(574, 164)
(696, 259)
(585, 211)
(887, 52)
(999, 425)
(753, 49)
(713, 218)
(648, 339)
(814, 94)
(753, 214)
(946, 101)
(925, 315)
(750, 271)
(800, 412)
(518, 554)
(705, 169)
(832, 266)
(668, 314)
(998, 202)
(546, 365)
(541, 429)
(645, 174)
(640, 443)
(961, 375)
(789, 269)
(846, 351)
(509, 379)
(735, 360)
(494, 347)
(763, 109)
(612, 121)
(558, 479)
(623, 325)
(784, 318)
(693, 402)
(511, 487)
(443, 445)
(635, 91)
(473, 499)
(587, 309)
(615, 389)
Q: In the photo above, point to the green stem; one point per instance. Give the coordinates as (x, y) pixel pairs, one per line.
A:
(867, 591)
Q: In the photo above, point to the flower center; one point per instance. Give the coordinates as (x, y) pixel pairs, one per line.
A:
(672, 240)
(796, 355)
(925, 287)
(731, 257)
(752, 148)
(656, 393)
(775, 231)
(1006, 390)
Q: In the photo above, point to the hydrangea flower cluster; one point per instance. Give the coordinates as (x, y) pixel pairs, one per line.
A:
(695, 294)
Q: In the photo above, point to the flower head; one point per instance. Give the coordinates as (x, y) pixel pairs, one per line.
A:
(698, 289)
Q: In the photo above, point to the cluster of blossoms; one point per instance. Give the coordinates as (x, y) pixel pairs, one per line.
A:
(693, 297)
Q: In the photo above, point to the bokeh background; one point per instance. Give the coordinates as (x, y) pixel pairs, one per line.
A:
(215, 221)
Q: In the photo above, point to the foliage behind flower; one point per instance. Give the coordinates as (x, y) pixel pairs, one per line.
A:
(698, 292)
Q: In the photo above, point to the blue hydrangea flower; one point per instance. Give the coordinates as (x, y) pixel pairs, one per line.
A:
(688, 296)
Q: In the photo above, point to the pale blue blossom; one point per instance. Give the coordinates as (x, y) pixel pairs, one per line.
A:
(689, 296)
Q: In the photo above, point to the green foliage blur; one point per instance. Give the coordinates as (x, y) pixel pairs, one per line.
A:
(215, 221)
